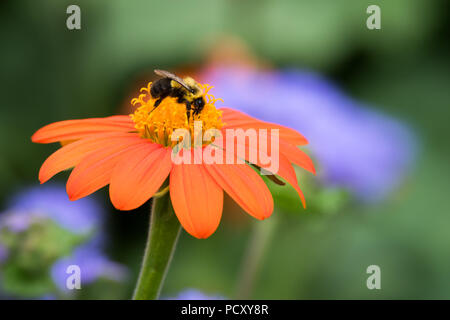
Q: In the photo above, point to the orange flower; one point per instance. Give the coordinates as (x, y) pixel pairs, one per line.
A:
(133, 154)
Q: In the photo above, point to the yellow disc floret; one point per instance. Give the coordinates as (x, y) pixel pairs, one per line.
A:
(158, 124)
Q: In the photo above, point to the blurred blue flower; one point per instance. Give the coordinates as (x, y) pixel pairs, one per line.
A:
(3, 253)
(16, 222)
(355, 147)
(80, 225)
(193, 294)
(51, 201)
(93, 265)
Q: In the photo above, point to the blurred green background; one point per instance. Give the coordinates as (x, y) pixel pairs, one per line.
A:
(49, 73)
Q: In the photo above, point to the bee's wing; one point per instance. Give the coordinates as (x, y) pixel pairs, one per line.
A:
(173, 77)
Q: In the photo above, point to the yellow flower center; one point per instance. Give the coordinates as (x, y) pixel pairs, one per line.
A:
(158, 124)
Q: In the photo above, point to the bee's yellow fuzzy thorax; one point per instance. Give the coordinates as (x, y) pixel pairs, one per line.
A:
(158, 124)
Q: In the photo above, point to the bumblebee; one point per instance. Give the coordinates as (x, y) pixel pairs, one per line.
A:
(186, 91)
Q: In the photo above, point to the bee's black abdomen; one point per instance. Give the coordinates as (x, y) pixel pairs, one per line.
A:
(161, 88)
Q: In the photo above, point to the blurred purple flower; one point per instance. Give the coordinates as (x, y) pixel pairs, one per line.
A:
(51, 200)
(93, 265)
(83, 217)
(356, 147)
(16, 221)
(3, 253)
(193, 294)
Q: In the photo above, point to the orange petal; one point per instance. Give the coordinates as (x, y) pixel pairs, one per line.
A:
(245, 150)
(196, 199)
(71, 154)
(95, 170)
(285, 169)
(236, 119)
(134, 180)
(287, 172)
(245, 186)
(297, 156)
(76, 129)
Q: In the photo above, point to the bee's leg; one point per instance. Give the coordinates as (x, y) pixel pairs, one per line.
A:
(161, 98)
(188, 106)
(157, 102)
(188, 109)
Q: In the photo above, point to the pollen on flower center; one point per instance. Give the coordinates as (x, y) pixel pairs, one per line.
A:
(158, 124)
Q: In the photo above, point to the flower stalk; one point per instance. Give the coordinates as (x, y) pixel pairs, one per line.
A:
(257, 247)
(161, 243)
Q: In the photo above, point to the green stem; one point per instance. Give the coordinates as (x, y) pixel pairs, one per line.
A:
(161, 243)
(259, 240)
